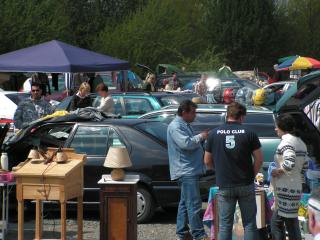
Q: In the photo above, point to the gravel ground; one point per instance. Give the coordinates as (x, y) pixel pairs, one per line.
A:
(162, 226)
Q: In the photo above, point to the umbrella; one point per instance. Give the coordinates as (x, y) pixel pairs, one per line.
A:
(299, 63)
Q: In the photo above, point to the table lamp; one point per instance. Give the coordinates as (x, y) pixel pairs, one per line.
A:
(117, 159)
(33, 154)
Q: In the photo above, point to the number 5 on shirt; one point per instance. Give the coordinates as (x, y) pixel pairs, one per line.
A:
(230, 142)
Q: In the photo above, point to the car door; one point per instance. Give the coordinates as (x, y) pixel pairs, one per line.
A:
(94, 140)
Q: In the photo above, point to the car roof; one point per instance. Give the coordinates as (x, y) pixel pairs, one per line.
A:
(212, 108)
(112, 121)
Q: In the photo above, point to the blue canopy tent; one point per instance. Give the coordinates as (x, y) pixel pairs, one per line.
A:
(58, 57)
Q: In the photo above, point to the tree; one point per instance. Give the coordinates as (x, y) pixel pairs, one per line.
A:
(244, 29)
(158, 33)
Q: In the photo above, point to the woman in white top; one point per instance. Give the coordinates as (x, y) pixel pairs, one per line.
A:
(291, 162)
(106, 104)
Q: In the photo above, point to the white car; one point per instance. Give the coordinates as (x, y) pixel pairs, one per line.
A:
(9, 103)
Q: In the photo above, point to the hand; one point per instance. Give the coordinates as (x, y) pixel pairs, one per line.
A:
(204, 134)
(277, 172)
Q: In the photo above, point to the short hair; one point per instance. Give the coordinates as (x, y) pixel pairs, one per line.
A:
(186, 106)
(85, 86)
(102, 87)
(286, 123)
(35, 84)
(236, 110)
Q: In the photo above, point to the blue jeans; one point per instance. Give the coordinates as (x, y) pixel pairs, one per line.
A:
(189, 210)
(227, 200)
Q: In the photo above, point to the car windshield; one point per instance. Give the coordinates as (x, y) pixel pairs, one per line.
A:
(17, 97)
(157, 130)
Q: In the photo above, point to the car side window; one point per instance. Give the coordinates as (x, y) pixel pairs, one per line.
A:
(114, 139)
(91, 140)
(95, 140)
(261, 124)
(117, 106)
(137, 106)
(52, 135)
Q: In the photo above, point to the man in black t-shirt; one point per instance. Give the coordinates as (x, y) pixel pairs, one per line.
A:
(229, 150)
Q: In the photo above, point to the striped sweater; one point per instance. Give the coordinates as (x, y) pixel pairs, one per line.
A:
(291, 157)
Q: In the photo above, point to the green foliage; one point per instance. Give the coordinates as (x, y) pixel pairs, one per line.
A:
(159, 33)
(197, 34)
(242, 28)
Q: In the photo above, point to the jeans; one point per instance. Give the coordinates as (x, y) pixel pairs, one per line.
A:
(278, 225)
(189, 210)
(227, 200)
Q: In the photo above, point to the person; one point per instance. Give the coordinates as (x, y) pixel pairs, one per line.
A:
(186, 166)
(82, 98)
(229, 150)
(150, 83)
(314, 213)
(290, 165)
(172, 83)
(200, 87)
(106, 104)
(32, 108)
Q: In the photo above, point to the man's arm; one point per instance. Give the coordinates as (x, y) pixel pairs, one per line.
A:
(184, 141)
(258, 160)
(18, 121)
(208, 161)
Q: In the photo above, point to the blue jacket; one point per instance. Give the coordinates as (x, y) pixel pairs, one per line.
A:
(185, 150)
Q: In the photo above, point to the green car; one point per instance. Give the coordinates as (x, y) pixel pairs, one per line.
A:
(135, 104)
(262, 120)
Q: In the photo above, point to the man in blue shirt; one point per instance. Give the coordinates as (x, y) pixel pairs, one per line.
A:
(230, 149)
(186, 166)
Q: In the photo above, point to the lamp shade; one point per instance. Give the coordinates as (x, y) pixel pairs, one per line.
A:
(117, 157)
(33, 154)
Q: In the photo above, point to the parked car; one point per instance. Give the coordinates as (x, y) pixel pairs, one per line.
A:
(295, 99)
(146, 144)
(210, 116)
(133, 105)
(9, 103)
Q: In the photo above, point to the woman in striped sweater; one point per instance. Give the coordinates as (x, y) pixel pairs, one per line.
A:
(290, 161)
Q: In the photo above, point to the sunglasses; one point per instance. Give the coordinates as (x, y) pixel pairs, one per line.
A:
(35, 90)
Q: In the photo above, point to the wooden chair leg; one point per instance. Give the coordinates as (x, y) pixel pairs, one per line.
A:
(38, 233)
(20, 219)
(63, 206)
(80, 217)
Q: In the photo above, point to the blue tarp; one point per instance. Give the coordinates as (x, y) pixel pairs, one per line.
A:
(58, 57)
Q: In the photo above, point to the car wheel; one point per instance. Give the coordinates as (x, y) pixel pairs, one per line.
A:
(145, 205)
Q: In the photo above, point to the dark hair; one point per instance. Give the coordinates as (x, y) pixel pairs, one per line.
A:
(286, 123)
(102, 87)
(236, 110)
(35, 84)
(186, 106)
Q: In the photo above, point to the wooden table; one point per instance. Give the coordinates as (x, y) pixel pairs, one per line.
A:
(53, 181)
(118, 208)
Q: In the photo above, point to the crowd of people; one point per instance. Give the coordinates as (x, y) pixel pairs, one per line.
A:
(219, 149)
(37, 107)
(215, 149)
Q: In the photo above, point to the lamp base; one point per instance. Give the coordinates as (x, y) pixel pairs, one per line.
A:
(117, 174)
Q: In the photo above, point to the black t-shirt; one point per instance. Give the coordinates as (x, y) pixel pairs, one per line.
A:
(232, 145)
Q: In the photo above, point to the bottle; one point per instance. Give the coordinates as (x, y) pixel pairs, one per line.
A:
(4, 161)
